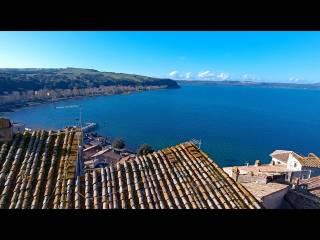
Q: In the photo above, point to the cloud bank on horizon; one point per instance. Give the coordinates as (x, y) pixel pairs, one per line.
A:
(202, 75)
(208, 75)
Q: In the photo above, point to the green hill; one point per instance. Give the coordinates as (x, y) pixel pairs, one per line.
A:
(24, 79)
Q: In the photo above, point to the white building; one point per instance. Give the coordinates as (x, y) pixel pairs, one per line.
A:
(306, 167)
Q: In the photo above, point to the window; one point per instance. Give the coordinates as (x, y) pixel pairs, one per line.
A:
(295, 164)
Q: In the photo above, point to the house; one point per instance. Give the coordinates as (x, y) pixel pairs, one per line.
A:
(89, 151)
(263, 173)
(280, 157)
(300, 166)
(105, 157)
(266, 182)
(6, 133)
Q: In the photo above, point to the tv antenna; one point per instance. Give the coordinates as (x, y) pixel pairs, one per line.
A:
(197, 142)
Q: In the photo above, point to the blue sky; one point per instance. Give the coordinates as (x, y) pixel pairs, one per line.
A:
(260, 56)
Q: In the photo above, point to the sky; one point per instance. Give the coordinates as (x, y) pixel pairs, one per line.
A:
(193, 55)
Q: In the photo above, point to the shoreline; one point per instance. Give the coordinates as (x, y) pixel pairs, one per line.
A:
(14, 107)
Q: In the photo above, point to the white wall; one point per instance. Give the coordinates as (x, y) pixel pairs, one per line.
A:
(293, 164)
(277, 161)
(274, 200)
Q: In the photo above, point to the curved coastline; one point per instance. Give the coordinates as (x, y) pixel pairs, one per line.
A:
(14, 107)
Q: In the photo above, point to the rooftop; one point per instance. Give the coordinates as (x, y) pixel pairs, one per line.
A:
(177, 177)
(282, 155)
(262, 170)
(312, 160)
(313, 185)
(37, 170)
(260, 190)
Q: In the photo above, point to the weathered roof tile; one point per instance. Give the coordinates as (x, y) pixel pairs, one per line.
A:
(37, 170)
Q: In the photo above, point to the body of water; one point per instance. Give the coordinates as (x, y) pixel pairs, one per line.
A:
(236, 124)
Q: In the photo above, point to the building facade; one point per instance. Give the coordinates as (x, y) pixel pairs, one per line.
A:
(298, 166)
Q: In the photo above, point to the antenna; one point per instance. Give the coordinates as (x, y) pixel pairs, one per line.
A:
(197, 142)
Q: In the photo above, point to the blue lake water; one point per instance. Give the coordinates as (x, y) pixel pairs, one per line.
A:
(236, 124)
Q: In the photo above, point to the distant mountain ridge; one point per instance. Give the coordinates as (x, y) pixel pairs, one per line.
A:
(253, 83)
(25, 79)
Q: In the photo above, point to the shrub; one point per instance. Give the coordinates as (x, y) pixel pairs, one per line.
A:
(144, 149)
(118, 143)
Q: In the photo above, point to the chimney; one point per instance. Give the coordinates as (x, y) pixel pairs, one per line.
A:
(235, 173)
(257, 163)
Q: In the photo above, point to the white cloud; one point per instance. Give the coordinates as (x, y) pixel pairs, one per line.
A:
(173, 74)
(247, 77)
(188, 75)
(223, 76)
(294, 79)
(206, 75)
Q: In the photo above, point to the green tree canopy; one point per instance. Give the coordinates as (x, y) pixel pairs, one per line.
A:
(118, 143)
(144, 149)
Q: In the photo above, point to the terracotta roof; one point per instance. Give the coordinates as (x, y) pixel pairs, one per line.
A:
(260, 190)
(91, 147)
(37, 170)
(311, 160)
(282, 155)
(176, 177)
(265, 169)
(101, 152)
(313, 185)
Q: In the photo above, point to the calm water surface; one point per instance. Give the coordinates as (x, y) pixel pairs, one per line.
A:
(236, 124)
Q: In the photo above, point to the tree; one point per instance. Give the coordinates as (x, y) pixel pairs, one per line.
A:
(144, 149)
(118, 143)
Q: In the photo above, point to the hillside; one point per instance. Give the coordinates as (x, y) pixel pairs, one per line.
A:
(69, 78)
